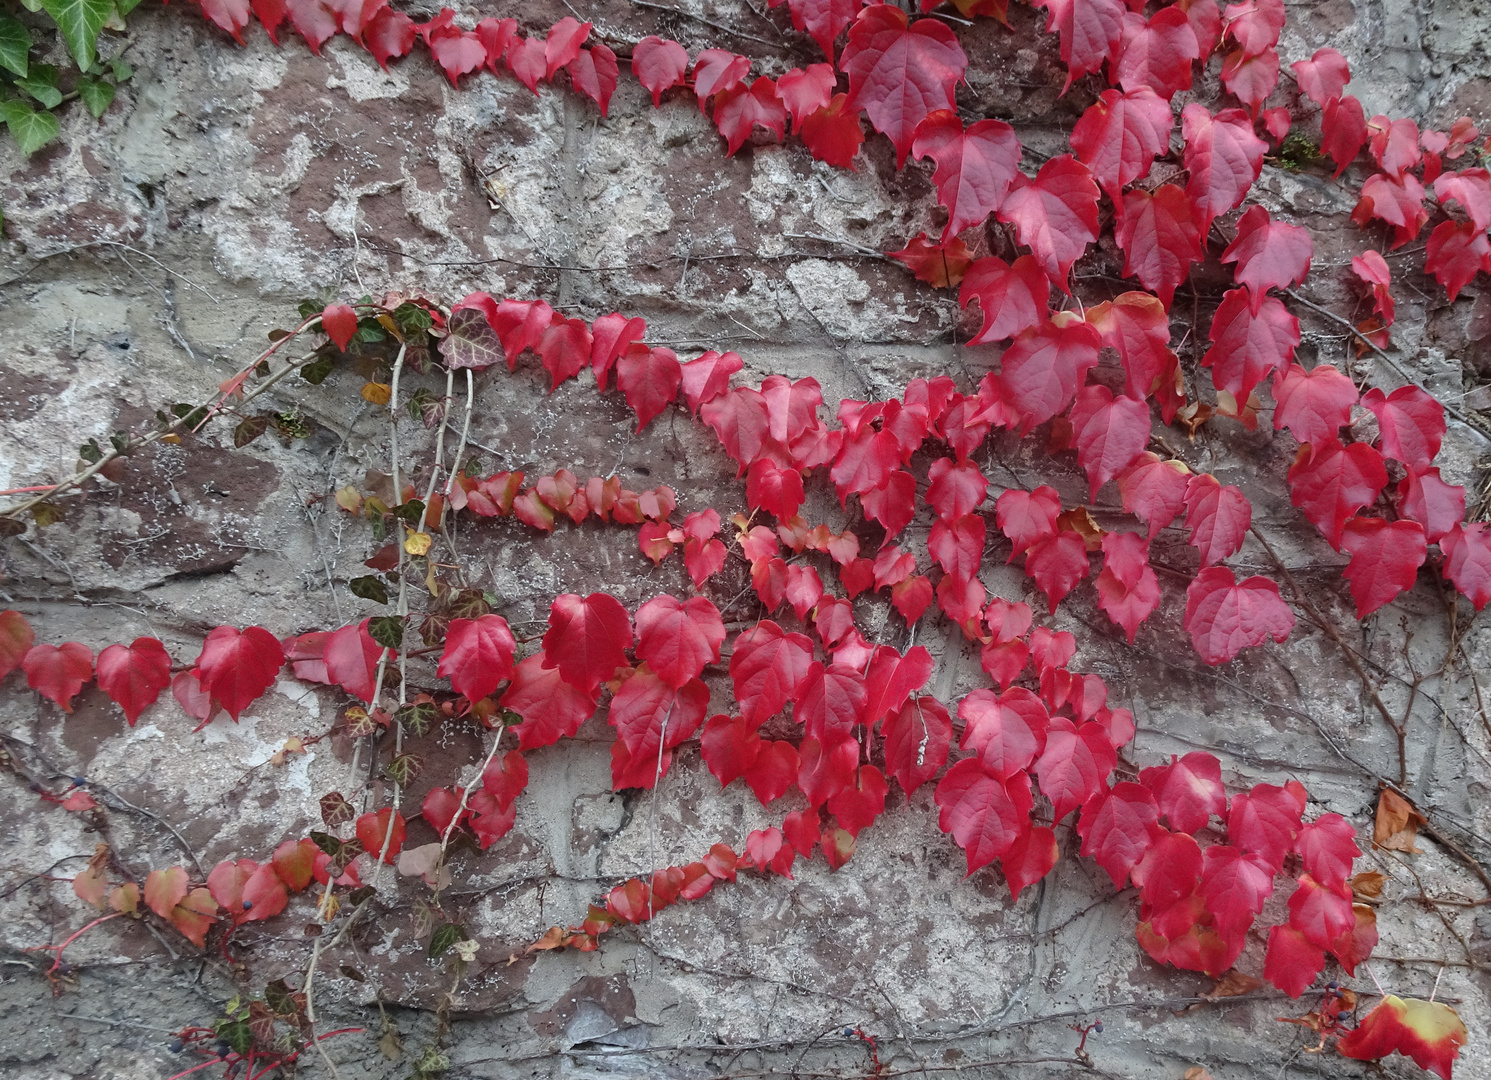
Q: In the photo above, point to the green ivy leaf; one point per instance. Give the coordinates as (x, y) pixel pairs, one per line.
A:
(124, 7)
(369, 587)
(418, 718)
(91, 452)
(192, 416)
(335, 810)
(403, 769)
(469, 604)
(46, 514)
(42, 85)
(410, 511)
(122, 71)
(444, 938)
(279, 997)
(80, 21)
(15, 45)
(316, 371)
(236, 1033)
(97, 95)
(387, 630)
(31, 129)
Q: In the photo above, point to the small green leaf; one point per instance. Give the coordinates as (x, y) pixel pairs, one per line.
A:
(387, 630)
(97, 95)
(31, 129)
(316, 371)
(410, 511)
(418, 718)
(279, 997)
(249, 429)
(15, 45)
(80, 21)
(122, 71)
(444, 938)
(469, 604)
(236, 1034)
(46, 514)
(403, 769)
(91, 452)
(369, 587)
(192, 416)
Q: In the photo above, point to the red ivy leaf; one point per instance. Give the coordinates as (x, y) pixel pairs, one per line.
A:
(975, 168)
(1158, 53)
(1012, 296)
(1055, 215)
(677, 639)
(917, 736)
(1467, 561)
(1109, 433)
(1091, 31)
(134, 675)
(833, 134)
(1223, 156)
(1224, 615)
(766, 668)
(1074, 765)
(478, 655)
(58, 672)
(1188, 790)
(1314, 405)
(587, 638)
(805, 92)
(1268, 254)
(739, 110)
(236, 667)
(1251, 336)
(1116, 829)
(659, 65)
(1154, 490)
(984, 814)
(1322, 77)
(1120, 135)
(1159, 239)
(1385, 558)
(649, 378)
(1331, 482)
(1217, 518)
(898, 73)
(1429, 1032)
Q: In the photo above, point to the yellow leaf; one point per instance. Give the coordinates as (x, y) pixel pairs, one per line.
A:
(418, 543)
(173, 439)
(349, 499)
(376, 393)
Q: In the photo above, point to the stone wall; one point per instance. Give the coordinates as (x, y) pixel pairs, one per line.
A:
(148, 254)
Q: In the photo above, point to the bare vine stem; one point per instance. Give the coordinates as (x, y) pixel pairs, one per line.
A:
(403, 609)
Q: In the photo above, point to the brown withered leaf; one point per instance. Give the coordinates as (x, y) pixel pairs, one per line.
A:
(1079, 521)
(1192, 415)
(1368, 884)
(1196, 1072)
(1397, 824)
(1233, 984)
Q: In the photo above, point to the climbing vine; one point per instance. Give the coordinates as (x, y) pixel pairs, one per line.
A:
(1010, 763)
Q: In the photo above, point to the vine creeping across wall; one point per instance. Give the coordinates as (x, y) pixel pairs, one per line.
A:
(1042, 745)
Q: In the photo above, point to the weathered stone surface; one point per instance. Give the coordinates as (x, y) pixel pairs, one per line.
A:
(149, 253)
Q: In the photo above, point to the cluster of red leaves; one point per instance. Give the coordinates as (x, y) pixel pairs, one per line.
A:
(561, 494)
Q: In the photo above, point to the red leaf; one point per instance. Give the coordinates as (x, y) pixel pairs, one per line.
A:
(984, 814)
(1394, 144)
(955, 490)
(351, 657)
(247, 891)
(1217, 518)
(1091, 31)
(1235, 886)
(1425, 498)
(1251, 336)
(1115, 829)
(677, 639)
(859, 804)
(340, 323)
(1276, 122)
(587, 638)
(1328, 848)
(1169, 871)
(774, 771)
(911, 597)
(1188, 790)
(1224, 615)
(898, 73)
(1136, 324)
(1159, 238)
(738, 110)
(801, 829)
(766, 668)
(631, 901)
(805, 92)
(457, 52)
(975, 168)
(1321, 913)
(1471, 188)
(295, 862)
(1055, 215)
(58, 672)
(739, 419)
(478, 655)
(833, 134)
(768, 850)
(1254, 24)
(958, 546)
(1268, 254)
(594, 73)
(659, 64)
(374, 830)
(1109, 433)
(649, 716)
(649, 378)
(939, 265)
(1399, 201)
(1012, 296)
(1026, 517)
(1457, 251)
(917, 736)
(830, 702)
(1031, 858)
(1426, 1031)
(230, 15)
(718, 70)
(1331, 482)
(1128, 591)
(824, 771)
(1322, 77)
(1343, 131)
(1154, 490)
(892, 503)
(729, 746)
(1266, 820)
(236, 667)
(1371, 268)
(1314, 405)
(1120, 135)
(892, 678)
(1158, 53)
(802, 589)
(551, 708)
(1224, 158)
(1074, 765)
(563, 43)
(496, 35)
(16, 638)
(707, 376)
(1251, 77)
(824, 20)
(1007, 731)
(1057, 563)
(1040, 373)
(1467, 561)
(1291, 962)
(1385, 558)
(134, 675)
